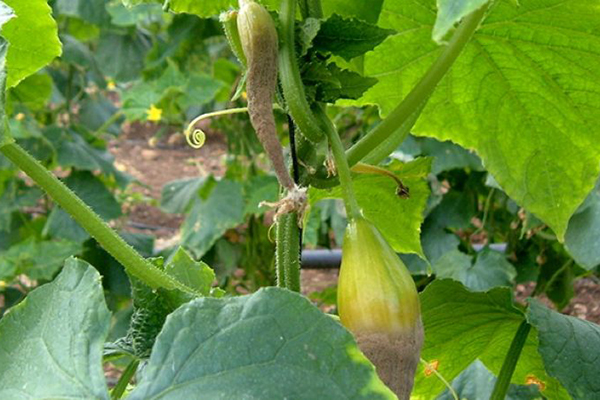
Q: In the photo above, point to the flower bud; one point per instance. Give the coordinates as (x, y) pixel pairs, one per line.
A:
(379, 304)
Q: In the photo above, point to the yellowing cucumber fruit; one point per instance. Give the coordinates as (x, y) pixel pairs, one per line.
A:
(378, 302)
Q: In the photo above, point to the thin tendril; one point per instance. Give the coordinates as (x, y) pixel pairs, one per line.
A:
(196, 137)
(441, 378)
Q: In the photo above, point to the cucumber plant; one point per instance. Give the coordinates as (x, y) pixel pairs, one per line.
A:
(514, 82)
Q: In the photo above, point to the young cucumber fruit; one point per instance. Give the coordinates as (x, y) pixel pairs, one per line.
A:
(379, 304)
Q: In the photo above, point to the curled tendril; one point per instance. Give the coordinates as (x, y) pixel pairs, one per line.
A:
(196, 136)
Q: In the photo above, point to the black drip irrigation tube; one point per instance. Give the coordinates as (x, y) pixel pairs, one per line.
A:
(330, 259)
(321, 259)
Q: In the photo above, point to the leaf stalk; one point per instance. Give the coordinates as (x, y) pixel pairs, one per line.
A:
(510, 362)
(418, 96)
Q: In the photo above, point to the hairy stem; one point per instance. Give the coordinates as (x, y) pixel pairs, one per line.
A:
(133, 262)
(288, 252)
(510, 362)
(420, 93)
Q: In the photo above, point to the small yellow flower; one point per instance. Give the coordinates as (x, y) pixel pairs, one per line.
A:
(244, 95)
(110, 85)
(20, 117)
(154, 113)
(2, 285)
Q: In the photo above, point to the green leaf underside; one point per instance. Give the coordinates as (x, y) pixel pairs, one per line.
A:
(398, 219)
(570, 348)
(26, 56)
(272, 344)
(462, 326)
(51, 343)
(210, 218)
(524, 94)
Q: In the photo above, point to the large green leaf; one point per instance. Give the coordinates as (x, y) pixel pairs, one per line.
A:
(365, 10)
(524, 94)
(210, 218)
(178, 196)
(73, 150)
(258, 189)
(570, 348)
(16, 195)
(51, 343)
(477, 383)
(273, 344)
(33, 38)
(200, 89)
(398, 219)
(93, 192)
(582, 239)
(193, 274)
(121, 56)
(92, 11)
(24, 258)
(348, 38)
(491, 269)
(33, 92)
(462, 326)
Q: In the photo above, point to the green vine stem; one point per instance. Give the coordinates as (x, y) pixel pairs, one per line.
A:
(291, 82)
(133, 262)
(510, 362)
(288, 252)
(419, 94)
(117, 392)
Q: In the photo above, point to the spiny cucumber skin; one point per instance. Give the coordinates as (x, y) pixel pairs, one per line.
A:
(260, 45)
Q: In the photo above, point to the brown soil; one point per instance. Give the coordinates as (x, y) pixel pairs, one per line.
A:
(585, 304)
